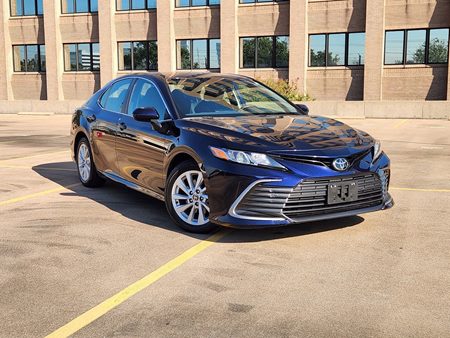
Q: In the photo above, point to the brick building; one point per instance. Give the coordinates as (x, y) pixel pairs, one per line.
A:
(343, 51)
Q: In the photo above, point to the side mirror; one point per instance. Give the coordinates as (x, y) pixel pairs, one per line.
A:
(146, 114)
(303, 108)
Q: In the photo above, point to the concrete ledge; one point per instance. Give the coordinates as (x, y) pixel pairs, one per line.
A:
(36, 106)
(381, 109)
(339, 109)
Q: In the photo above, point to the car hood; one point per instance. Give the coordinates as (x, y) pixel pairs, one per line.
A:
(285, 134)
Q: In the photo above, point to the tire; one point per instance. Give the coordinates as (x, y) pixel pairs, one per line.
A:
(87, 173)
(187, 204)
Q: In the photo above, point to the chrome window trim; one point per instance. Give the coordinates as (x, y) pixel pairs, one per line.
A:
(232, 211)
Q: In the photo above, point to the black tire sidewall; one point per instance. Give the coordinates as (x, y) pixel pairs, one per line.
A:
(175, 173)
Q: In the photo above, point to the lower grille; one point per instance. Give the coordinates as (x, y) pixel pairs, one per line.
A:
(309, 198)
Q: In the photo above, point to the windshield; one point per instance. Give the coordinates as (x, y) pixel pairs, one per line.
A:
(220, 96)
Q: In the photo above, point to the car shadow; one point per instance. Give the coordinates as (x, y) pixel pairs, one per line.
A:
(144, 209)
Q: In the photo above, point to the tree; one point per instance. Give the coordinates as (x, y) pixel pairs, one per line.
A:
(437, 52)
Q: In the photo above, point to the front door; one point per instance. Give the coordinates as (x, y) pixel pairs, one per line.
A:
(140, 148)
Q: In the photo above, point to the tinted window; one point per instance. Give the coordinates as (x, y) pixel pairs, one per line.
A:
(438, 48)
(394, 48)
(248, 52)
(282, 49)
(146, 95)
(317, 50)
(336, 50)
(116, 96)
(416, 43)
(214, 53)
(356, 49)
(264, 54)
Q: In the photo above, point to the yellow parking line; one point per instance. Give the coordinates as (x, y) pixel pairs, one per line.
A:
(37, 194)
(40, 168)
(112, 302)
(417, 189)
(399, 124)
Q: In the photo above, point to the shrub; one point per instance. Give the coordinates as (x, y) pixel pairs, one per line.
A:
(287, 89)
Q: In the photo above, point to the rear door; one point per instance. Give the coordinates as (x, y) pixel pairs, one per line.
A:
(105, 127)
(141, 149)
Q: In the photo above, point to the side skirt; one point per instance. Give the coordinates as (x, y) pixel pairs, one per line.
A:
(116, 178)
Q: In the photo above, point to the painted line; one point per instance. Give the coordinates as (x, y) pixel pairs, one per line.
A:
(42, 168)
(417, 189)
(399, 124)
(112, 302)
(37, 194)
(33, 156)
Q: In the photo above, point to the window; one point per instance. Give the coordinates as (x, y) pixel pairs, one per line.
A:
(114, 99)
(138, 55)
(81, 57)
(26, 7)
(264, 52)
(198, 54)
(79, 6)
(194, 3)
(128, 5)
(29, 58)
(146, 95)
(416, 46)
(337, 49)
(258, 1)
(356, 48)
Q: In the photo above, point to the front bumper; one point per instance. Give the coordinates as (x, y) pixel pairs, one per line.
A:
(272, 198)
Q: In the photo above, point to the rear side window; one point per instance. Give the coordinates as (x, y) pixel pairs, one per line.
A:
(114, 99)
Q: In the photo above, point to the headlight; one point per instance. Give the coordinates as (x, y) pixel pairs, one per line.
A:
(377, 150)
(243, 157)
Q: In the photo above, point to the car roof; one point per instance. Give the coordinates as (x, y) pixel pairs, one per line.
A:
(183, 75)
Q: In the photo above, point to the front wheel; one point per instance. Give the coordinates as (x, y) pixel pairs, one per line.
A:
(187, 199)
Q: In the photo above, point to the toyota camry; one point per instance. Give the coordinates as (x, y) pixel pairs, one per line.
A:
(225, 150)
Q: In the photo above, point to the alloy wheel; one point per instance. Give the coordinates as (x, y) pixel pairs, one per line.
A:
(189, 198)
(84, 162)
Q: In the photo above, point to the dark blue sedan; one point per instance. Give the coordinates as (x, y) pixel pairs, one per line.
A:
(226, 150)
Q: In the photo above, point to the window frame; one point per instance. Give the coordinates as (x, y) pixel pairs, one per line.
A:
(75, 7)
(208, 53)
(427, 46)
(256, 2)
(23, 10)
(91, 68)
(208, 4)
(274, 52)
(26, 59)
(147, 54)
(130, 9)
(327, 48)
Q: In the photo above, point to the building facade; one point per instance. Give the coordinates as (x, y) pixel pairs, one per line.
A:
(338, 50)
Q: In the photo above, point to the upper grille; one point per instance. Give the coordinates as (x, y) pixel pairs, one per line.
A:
(325, 161)
(309, 198)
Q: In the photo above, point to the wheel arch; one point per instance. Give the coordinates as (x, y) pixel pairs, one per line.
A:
(179, 156)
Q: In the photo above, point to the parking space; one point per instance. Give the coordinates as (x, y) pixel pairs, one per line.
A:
(65, 249)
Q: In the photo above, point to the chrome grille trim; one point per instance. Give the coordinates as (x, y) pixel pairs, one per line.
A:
(309, 198)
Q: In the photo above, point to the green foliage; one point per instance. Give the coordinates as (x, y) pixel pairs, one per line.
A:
(438, 52)
(287, 89)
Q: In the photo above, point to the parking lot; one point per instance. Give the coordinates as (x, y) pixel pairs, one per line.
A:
(69, 252)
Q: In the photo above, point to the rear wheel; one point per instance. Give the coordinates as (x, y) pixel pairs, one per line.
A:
(86, 168)
(187, 199)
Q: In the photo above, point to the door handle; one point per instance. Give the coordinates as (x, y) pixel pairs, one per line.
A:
(91, 118)
(122, 126)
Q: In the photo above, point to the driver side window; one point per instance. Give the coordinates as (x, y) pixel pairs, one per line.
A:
(145, 95)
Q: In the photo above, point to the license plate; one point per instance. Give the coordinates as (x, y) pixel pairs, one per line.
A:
(342, 192)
